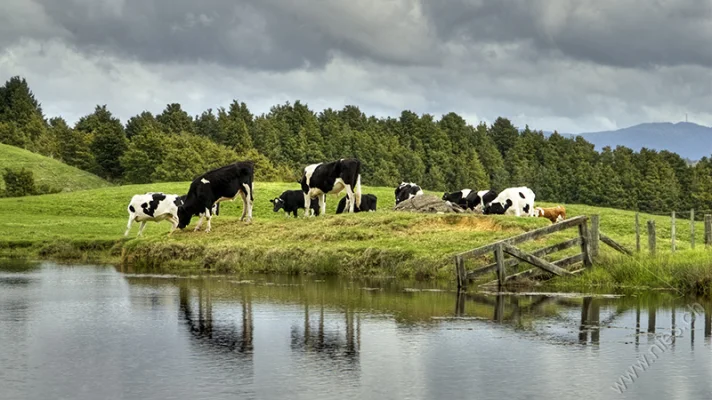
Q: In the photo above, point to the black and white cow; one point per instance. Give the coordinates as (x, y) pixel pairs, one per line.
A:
(407, 190)
(513, 201)
(482, 198)
(156, 207)
(368, 203)
(321, 179)
(463, 198)
(212, 187)
(292, 200)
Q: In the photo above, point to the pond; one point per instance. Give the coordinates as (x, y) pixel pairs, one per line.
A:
(92, 332)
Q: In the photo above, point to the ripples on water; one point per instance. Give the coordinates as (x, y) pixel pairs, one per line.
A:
(90, 332)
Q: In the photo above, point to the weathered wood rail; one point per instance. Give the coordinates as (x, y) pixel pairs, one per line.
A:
(587, 239)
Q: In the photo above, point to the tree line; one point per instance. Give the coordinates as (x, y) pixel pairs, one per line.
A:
(443, 154)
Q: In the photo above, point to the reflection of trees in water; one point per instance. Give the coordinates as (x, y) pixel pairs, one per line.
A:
(222, 334)
(325, 338)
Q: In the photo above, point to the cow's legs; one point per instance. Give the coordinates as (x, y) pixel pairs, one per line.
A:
(140, 228)
(174, 225)
(128, 226)
(350, 195)
(200, 223)
(245, 206)
(208, 216)
(307, 204)
(246, 202)
(322, 204)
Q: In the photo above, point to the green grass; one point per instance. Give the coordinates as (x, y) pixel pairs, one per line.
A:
(89, 224)
(48, 171)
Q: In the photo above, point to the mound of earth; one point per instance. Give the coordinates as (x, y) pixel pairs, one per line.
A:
(427, 203)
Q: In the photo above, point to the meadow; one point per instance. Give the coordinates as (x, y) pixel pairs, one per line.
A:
(88, 225)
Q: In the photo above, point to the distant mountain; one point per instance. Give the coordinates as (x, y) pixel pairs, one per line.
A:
(689, 140)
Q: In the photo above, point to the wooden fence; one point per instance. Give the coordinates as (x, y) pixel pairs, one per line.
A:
(652, 235)
(588, 241)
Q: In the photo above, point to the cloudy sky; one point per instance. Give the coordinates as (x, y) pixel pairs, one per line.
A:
(570, 65)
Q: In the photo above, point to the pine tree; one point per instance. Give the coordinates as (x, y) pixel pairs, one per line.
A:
(504, 135)
(73, 146)
(109, 142)
(174, 120)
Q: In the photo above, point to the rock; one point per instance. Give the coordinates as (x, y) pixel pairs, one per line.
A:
(427, 203)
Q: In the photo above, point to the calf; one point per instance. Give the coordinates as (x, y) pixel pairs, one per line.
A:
(153, 206)
(460, 197)
(518, 201)
(407, 190)
(553, 214)
(368, 203)
(290, 201)
(212, 187)
(321, 179)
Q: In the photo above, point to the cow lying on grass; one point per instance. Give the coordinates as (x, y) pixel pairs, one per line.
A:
(407, 190)
(368, 203)
(157, 207)
(517, 201)
(553, 214)
(292, 200)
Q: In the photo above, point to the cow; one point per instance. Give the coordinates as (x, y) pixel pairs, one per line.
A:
(461, 197)
(212, 187)
(156, 207)
(333, 177)
(553, 214)
(368, 203)
(482, 198)
(516, 201)
(407, 190)
(290, 201)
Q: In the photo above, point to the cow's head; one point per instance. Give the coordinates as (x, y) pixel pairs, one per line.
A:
(446, 196)
(277, 203)
(183, 217)
(497, 208)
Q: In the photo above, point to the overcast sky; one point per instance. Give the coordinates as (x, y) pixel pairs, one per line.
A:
(570, 65)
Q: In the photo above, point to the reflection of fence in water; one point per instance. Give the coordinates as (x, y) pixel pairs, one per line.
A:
(507, 311)
(223, 334)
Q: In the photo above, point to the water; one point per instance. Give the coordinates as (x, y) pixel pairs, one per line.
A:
(90, 332)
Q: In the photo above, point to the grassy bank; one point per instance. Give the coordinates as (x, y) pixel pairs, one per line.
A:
(89, 224)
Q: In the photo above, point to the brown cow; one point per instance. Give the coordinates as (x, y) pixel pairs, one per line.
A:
(553, 214)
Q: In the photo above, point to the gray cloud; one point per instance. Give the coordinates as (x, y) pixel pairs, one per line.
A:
(567, 65)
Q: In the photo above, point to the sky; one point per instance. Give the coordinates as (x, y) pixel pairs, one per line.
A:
(567, 65)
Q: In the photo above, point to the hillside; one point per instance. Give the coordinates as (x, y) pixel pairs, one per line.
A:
(48, 171)
(689, 140)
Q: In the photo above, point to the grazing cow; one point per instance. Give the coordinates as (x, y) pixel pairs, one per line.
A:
(290, 201)
(482, 198)
(553, 214)
(321, 179)
(212, 187)
(517, 201)
(407, 190)
(153, 206)
(461, 198)
(368, 203)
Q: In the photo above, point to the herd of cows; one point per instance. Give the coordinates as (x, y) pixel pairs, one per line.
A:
(208, 190)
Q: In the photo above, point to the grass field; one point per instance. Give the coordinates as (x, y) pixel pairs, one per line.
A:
(91, 223)
(48, 171)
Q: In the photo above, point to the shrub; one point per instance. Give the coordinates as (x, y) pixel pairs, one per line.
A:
(19, 182)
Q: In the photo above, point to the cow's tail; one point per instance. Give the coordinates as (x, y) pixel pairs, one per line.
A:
(357, 190)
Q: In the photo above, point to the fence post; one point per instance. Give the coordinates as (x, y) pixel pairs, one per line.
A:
(499, 258)
(692, 228)
(637, 232)
(595, 234)
(651, 237)
(708, 229)
(585, 244)
(672, 232)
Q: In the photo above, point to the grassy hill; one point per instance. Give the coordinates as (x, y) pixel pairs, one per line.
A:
(47, 170)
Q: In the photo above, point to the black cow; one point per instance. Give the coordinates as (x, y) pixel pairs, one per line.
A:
(368, 203)
(290, 201)
(407, 190)
(464, 198)
(321, 179)
(220, 184)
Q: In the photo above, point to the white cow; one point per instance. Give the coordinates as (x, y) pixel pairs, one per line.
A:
(513, 201)
(156, 207)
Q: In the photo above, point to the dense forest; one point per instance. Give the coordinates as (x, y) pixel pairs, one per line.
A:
(439, 154)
